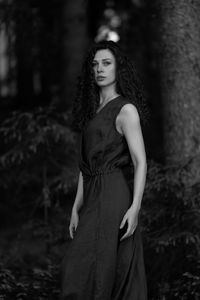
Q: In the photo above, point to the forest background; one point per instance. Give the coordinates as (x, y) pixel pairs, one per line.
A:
(42, 46)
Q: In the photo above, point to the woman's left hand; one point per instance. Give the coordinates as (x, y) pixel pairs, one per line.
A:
(131, 217)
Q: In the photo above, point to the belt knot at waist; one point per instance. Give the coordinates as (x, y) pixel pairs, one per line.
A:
(99, 172)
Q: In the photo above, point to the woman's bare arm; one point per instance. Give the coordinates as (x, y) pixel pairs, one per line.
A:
(78, 202)
(130, 126)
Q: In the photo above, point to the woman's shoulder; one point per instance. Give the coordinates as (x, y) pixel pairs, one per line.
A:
(127, 109)
(138, 109)
(127, 105)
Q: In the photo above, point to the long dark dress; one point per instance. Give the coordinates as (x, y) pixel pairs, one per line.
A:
(96, 265)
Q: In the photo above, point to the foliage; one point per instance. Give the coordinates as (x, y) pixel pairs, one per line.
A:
(39, 159)
(30, 262)
(171, 221)
(35, 284)
(38, 166)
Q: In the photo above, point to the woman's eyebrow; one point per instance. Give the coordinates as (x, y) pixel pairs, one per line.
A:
(95, 60)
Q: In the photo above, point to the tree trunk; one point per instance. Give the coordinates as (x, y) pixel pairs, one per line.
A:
(180, 77)
(23, 43)
(74, 45)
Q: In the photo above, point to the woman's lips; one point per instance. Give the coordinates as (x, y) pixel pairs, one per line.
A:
(99, 78)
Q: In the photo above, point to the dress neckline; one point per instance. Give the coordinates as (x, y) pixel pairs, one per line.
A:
(115, 98)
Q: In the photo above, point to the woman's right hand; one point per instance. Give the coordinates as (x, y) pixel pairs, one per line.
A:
(74, 220)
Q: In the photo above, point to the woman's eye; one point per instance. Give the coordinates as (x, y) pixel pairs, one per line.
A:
(106, 63)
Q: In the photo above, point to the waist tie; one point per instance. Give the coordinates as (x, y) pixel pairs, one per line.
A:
(98, 172)
(87, 174)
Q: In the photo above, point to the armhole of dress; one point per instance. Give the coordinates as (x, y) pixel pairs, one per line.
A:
(115, 117)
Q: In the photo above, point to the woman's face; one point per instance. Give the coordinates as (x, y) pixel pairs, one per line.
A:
(104, 66)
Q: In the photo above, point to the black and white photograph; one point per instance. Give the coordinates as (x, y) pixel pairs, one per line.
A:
(100, 150)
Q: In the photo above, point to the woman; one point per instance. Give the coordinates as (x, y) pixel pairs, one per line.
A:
(104, 260)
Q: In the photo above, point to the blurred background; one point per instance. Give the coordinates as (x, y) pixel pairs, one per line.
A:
(42, 46)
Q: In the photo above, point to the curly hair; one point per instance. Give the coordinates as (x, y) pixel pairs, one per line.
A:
(128, 85)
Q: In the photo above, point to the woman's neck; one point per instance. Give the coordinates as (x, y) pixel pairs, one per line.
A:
(106, 94)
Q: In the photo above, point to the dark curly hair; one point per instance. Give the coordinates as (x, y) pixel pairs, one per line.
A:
(128, 85)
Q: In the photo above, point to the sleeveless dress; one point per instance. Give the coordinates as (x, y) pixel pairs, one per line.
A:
(97, 265)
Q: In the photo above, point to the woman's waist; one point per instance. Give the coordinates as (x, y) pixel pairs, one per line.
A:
(103, 170)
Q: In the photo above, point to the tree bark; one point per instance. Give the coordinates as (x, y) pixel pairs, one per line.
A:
(180, 77)
(73, 48)
(23, 43)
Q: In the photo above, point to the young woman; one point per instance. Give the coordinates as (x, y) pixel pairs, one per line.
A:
(104, 260)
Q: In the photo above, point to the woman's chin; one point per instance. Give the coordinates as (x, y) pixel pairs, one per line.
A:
(103, 84)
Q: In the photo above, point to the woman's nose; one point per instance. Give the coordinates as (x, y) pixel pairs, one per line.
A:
(99, 68)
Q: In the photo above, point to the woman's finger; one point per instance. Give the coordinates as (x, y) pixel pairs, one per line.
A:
(71, 231)
(122, 223)
(127, 233)
(125, 236)
(76, 225)
(133, 229)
